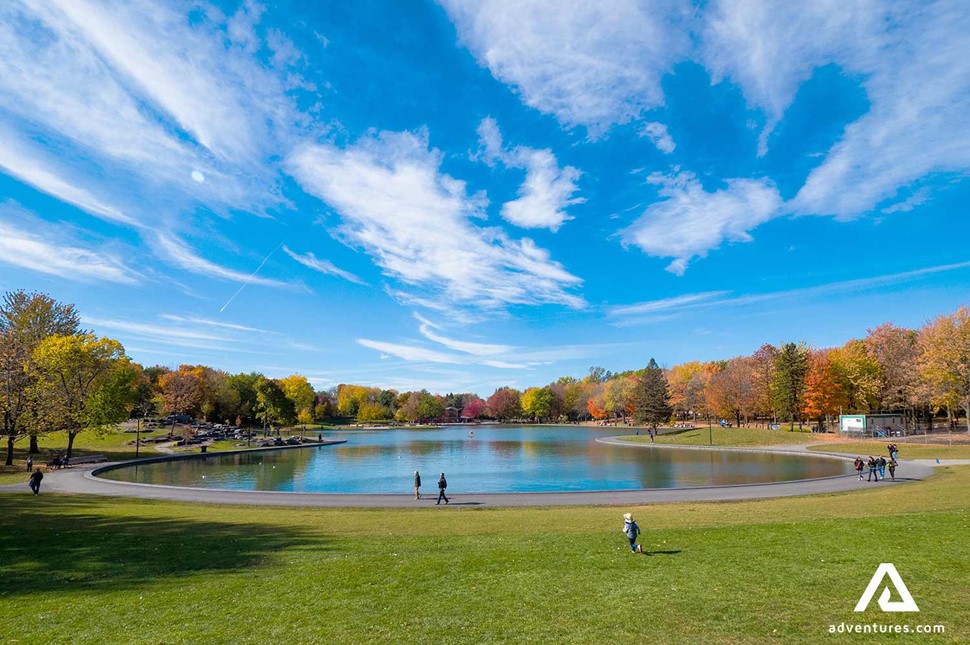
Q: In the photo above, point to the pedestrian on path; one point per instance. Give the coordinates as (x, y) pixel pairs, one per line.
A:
(442, 485)
(34, 481)
(417, 485)
(30, 462)
(892, 468)
(881, 462)
(631, 530)
(873, 468)
(858, 466)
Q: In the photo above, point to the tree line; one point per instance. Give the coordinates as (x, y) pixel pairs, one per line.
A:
(56, 376)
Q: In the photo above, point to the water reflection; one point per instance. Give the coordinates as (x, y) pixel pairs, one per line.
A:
(495, 459)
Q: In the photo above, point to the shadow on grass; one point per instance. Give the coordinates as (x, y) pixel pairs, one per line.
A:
(64, 544)
(662, 552)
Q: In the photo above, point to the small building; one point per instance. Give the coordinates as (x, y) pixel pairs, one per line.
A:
(872, 425)
(451, 414)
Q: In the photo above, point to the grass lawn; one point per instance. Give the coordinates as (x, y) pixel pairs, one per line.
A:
(729, 437)
(96, 570)
(906, 450)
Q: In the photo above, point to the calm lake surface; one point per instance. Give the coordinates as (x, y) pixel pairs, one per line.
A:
(493, 459)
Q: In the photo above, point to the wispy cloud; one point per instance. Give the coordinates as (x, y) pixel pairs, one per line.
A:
(409, 352)
(466, 347)
(691, 221)
(214, 323)
(415, 222)
(668, 308)
(547, 190)
(178, 252)
(667, 303)
(323, 266)
(51, 250)
(575, 60)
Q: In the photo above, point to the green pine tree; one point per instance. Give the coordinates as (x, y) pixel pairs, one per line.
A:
(651, 398)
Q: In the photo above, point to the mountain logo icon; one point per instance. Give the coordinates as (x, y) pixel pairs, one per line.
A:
(906, 602)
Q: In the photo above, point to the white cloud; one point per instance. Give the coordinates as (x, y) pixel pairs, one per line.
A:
(178, 252)
(467, 347)
(690, 221)
(416, 223)
(912, 59)
(50, 250)
(547, 189)
(323, 266)
(214, 323)
(409, 352)
(657, 133)
(584, 63)
(675, 302)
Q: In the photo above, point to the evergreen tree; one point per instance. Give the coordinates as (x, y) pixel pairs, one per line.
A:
(651, 398)
(788, 382)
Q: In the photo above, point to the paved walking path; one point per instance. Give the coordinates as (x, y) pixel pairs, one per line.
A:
(80, 480)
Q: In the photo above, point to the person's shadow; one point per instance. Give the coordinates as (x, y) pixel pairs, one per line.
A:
(662, 552)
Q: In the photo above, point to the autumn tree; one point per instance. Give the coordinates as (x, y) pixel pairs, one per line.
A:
(651, 398)
(730, 391)
(300, 393)
(945, 362)
(505, 403)
(25, 320)
(473, 409)
(788, 382)
(537, 402)
(84, 383)
(823, 393)
(181, 391)
(762, 377)
(858, 375)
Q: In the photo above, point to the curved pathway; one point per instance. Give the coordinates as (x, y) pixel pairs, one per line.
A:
(81, 480)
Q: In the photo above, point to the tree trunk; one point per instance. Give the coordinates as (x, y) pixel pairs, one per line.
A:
(9, 461)
(70, 442)
(33, 445)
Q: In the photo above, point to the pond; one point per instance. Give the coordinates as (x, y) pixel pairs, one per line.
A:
(478, 459)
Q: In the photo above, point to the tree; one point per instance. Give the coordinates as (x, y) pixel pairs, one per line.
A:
(84, 383)
(537, 402)
(762, 376)
(300, 393)
(788, 382)
(651, 398)
(505, 403)
(730, 392)
(272, 406)
(474, 408)
(823, 393)
(181, 391)
(858, 374)
(945, 363)
(25, 320)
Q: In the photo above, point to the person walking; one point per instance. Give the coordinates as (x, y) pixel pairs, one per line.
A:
(873, 470)
(417, 485)
(34, 481)
(631, 530)
(881, 462)
(30, 462)
(442, 485)
(892, 468)
(859, 466)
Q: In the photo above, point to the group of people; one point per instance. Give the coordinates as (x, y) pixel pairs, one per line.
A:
(877, 465)
(442, 485)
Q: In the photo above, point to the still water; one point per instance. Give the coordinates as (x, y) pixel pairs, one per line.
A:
(492, 459)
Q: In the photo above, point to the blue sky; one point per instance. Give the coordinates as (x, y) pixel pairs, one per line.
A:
(462, 195)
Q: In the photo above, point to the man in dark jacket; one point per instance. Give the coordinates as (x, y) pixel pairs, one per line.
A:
(442, 485)
(34, 481)
(417, 485)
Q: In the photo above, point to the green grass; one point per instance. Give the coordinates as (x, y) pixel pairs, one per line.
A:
(906, 450)
(728, 437)
(95, 570)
